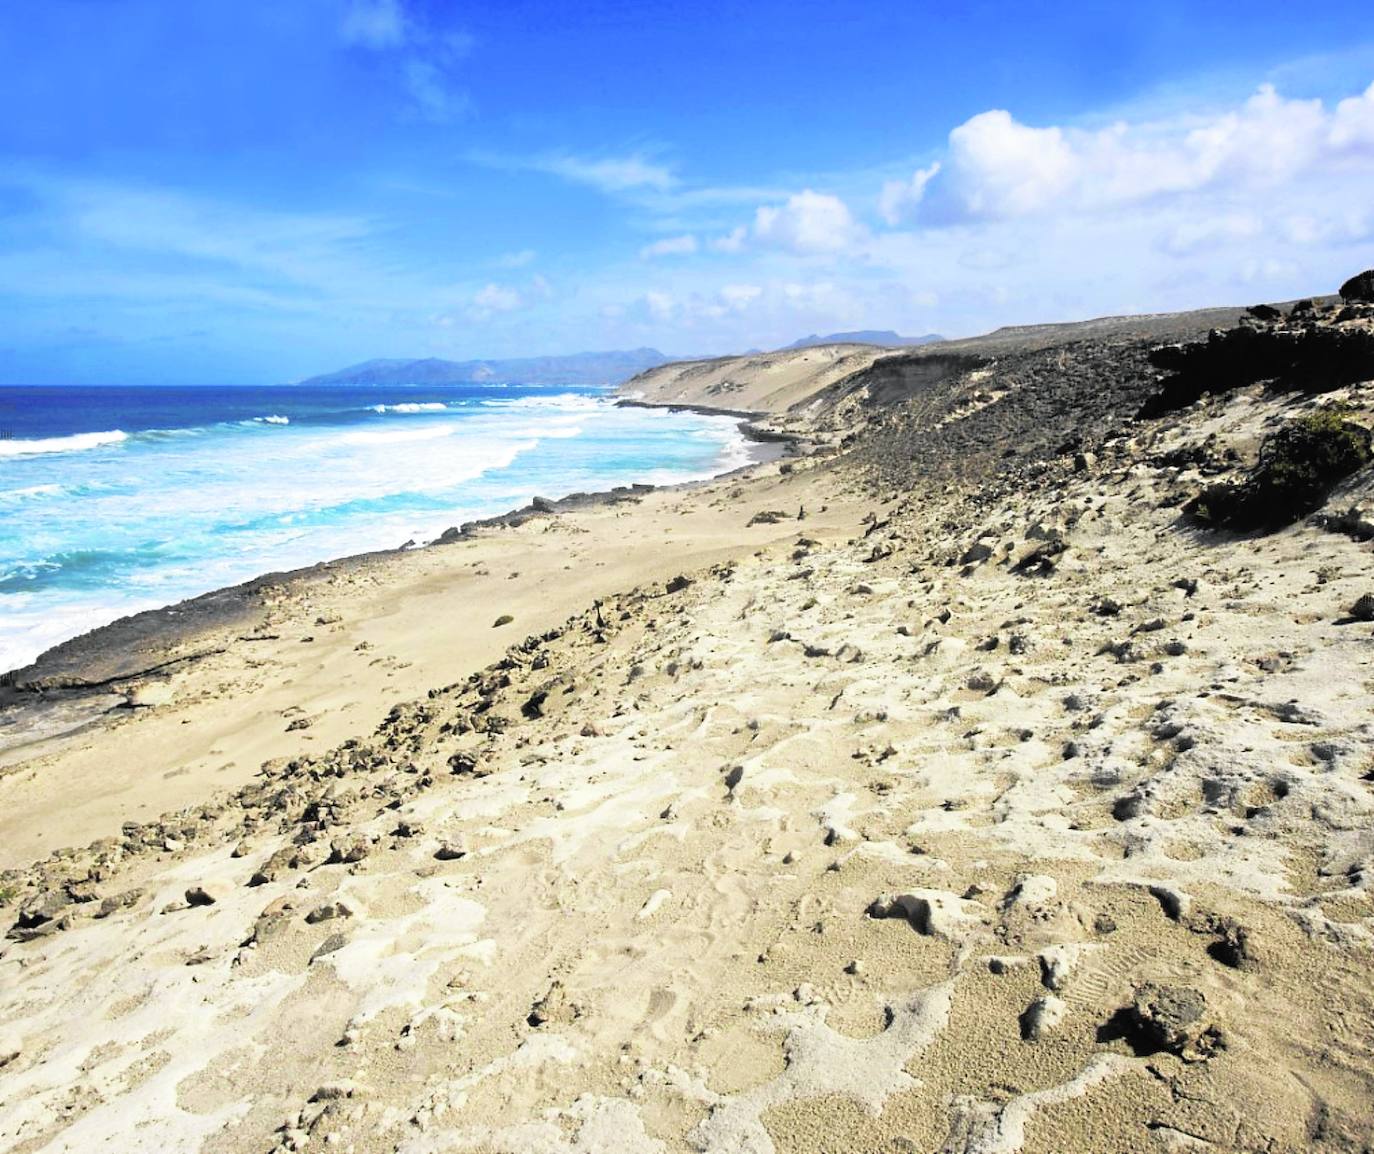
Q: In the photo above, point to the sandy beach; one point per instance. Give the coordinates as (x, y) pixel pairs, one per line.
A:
(951, 784)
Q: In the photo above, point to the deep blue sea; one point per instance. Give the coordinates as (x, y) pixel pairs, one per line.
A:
(118, 499)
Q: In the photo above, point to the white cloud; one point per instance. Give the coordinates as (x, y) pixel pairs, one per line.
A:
(998, 167)
(732, 241)
(899, 197)
(495, 298)
(740, 296)
(519, 259)
(809, 222)
(609, 174)
(1352, 125)
(660, 305)
(375, 24)
(670, 246)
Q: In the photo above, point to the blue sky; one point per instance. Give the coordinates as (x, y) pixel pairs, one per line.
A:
(254, 191)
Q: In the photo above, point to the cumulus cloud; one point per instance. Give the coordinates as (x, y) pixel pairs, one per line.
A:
(998, 167)
(899, 197)
(808, 222)
(670, 246)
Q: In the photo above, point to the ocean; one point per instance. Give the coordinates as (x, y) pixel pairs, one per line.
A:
(114, 499)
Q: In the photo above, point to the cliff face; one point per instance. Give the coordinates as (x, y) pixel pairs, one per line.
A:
(760, 382)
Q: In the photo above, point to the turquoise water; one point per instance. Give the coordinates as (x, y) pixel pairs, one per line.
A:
(114, 500)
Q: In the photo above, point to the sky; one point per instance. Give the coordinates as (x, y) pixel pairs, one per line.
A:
(254, 191)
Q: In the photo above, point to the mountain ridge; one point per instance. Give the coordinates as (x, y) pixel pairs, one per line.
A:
(611, 367)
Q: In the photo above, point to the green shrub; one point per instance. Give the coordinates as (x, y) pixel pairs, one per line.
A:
(1297, 467)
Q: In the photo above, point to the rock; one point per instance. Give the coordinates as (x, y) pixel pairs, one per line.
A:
(1031, 890)
(149, 695)
(349, 849)
(334, 1091)
(1363, 609)
(119, 901)
(208, 893)
(281, 862)
(1174, 902)
(42, 909)
(1264, 312)
(1170, 1018)
(1056, 963)
(678, 584)
(1041, 1016)
(1234, 946)
(947, 650)
(1083, 462)
(10, 1049)
(934, 913)
(451, 850)
(552, 1007)
(329, 911)
(329, 945)
(504, 619)
(1359, 287)
(976, 553)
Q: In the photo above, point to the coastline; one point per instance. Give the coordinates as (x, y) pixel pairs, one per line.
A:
(74, 704)
(720, 813)
(105, 654)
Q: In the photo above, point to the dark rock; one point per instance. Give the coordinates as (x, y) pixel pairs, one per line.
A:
(1172, 1019)
(1359, 287)
(1311, 359)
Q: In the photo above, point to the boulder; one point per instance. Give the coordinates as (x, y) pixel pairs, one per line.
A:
(1359, 287)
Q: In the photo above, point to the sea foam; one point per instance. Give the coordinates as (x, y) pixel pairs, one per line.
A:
(73, 444)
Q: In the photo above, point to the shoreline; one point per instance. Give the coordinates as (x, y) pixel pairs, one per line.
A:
(331, 647)
(180, 622)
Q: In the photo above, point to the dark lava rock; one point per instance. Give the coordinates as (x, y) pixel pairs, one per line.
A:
(1359, 287)
(1310, 359)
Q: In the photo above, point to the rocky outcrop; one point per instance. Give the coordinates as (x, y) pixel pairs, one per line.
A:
(1359, 287)
(1312, 357)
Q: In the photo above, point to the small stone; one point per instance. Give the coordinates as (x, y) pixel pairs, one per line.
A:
(1041, 1016)
(451, 850)
(855, 968)
(329, 911)
(349, 849)
(207, 894)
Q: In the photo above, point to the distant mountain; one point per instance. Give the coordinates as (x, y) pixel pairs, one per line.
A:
(609, 368)
(884, 337)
